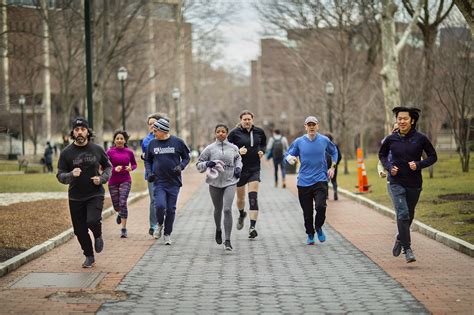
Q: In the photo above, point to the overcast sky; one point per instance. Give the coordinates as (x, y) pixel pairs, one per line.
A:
(243, 38)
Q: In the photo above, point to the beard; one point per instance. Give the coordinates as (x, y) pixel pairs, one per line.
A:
(80, 140)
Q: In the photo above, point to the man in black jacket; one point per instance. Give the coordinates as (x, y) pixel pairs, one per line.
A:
(85, 167)
(251, 142)
(406, 147)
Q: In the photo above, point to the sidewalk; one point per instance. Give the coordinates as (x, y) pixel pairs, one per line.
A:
(277, 273)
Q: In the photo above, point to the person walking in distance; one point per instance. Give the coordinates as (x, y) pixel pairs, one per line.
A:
(165, 158)
(252, 143)
(79, 167)
(329, 163)
(48, 157)
(120, 183)
(277, 146)
(151, 119)
(406, 147)
(223, 164)
(313, 175)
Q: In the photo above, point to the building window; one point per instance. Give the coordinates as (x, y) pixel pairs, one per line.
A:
(165, 11)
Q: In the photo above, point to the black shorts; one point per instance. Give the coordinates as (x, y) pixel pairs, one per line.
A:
(246, 178)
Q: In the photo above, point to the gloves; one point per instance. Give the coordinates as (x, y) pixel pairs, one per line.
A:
(210, 164)
(151, 178)
(177, 169)
(237, 172)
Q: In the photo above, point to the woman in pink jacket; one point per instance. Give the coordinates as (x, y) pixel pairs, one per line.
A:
(120, 183)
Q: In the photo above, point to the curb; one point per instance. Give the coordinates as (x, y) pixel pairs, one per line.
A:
(38, 250)
(446, 239)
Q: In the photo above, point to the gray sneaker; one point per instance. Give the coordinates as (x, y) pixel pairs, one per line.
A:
(240, 221)
(99, 244)
(409, 255)
(167, 240)
(89, 262)
(157, 233)
(397, 247)
(123, 233)
(227, 245)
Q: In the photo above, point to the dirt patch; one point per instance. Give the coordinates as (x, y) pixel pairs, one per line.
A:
(27, 224)
(460, 196)
(86, 296)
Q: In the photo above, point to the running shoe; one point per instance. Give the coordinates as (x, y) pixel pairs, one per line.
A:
(240, 221)
(227, 245)
(167, 240)
(310, 239)
(118, 219)
(99, 244)
(218, 237)
(397, 247)
(157, 233)
(89, 262)
(409, 256)
(321, 235)
(151, 231)
(123, 233)
(252, 232)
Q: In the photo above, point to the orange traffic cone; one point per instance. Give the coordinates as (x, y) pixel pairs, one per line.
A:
(362, 174)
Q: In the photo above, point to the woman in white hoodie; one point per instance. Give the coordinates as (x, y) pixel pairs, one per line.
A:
(222, 163)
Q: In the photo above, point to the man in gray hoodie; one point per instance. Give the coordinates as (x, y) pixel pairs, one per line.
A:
(222, 163)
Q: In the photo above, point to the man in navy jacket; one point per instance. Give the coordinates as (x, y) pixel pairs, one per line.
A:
(404, 168)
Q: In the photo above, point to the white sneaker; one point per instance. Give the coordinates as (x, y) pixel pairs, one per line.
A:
(157, 233)
(167, 239)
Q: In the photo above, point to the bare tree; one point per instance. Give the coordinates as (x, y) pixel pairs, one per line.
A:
(342, 34)
(455, 89)
(390, 56)
(428, 22)
(467, 9)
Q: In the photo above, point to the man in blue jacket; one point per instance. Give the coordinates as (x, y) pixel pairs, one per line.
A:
(404, 172)
(313, 175)
(165, 158)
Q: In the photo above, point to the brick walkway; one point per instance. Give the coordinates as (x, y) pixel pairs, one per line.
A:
(275, 274)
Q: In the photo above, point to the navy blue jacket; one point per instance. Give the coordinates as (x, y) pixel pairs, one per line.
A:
(405, 149)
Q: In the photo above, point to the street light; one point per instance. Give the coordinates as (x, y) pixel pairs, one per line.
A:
(176, 94)
(192, 111)
(330, 94)
(122, 76)
(22, 100)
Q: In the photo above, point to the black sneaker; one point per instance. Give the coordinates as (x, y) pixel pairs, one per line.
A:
(118, 219)
(151, 231)
(218, 237)
(253, 233)
(99, 244)
(240, 221)
(397, 247)
(227, 245)
(89, 262)
(409, 255)
(123, 233)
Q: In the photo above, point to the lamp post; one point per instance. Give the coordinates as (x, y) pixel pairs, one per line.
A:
(176, 94)
(22, 100)
(330, 94)
(122, 76)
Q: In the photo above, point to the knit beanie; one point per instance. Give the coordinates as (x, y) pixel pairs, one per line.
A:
(162, 124)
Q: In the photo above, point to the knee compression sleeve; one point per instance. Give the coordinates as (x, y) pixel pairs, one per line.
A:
(253, 201)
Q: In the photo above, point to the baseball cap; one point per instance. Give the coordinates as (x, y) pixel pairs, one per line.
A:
(311, 119)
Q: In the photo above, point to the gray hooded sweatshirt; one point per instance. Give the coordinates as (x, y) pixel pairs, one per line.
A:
(227, 153)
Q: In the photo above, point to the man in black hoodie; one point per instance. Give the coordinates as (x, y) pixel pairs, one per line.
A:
(251, 142)
(406, 147)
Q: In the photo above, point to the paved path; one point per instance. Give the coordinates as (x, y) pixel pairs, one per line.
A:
(275, 273)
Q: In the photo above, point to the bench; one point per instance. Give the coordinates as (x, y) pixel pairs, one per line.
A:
(24, 161)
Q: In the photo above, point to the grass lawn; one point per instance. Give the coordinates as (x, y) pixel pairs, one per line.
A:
(37, 181)
(454, 217)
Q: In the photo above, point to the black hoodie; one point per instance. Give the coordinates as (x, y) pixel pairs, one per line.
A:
(254, 141)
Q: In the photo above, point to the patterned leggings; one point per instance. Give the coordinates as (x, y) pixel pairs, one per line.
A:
(119, 195)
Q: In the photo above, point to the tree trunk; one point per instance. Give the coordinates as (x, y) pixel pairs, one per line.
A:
(389, 73)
